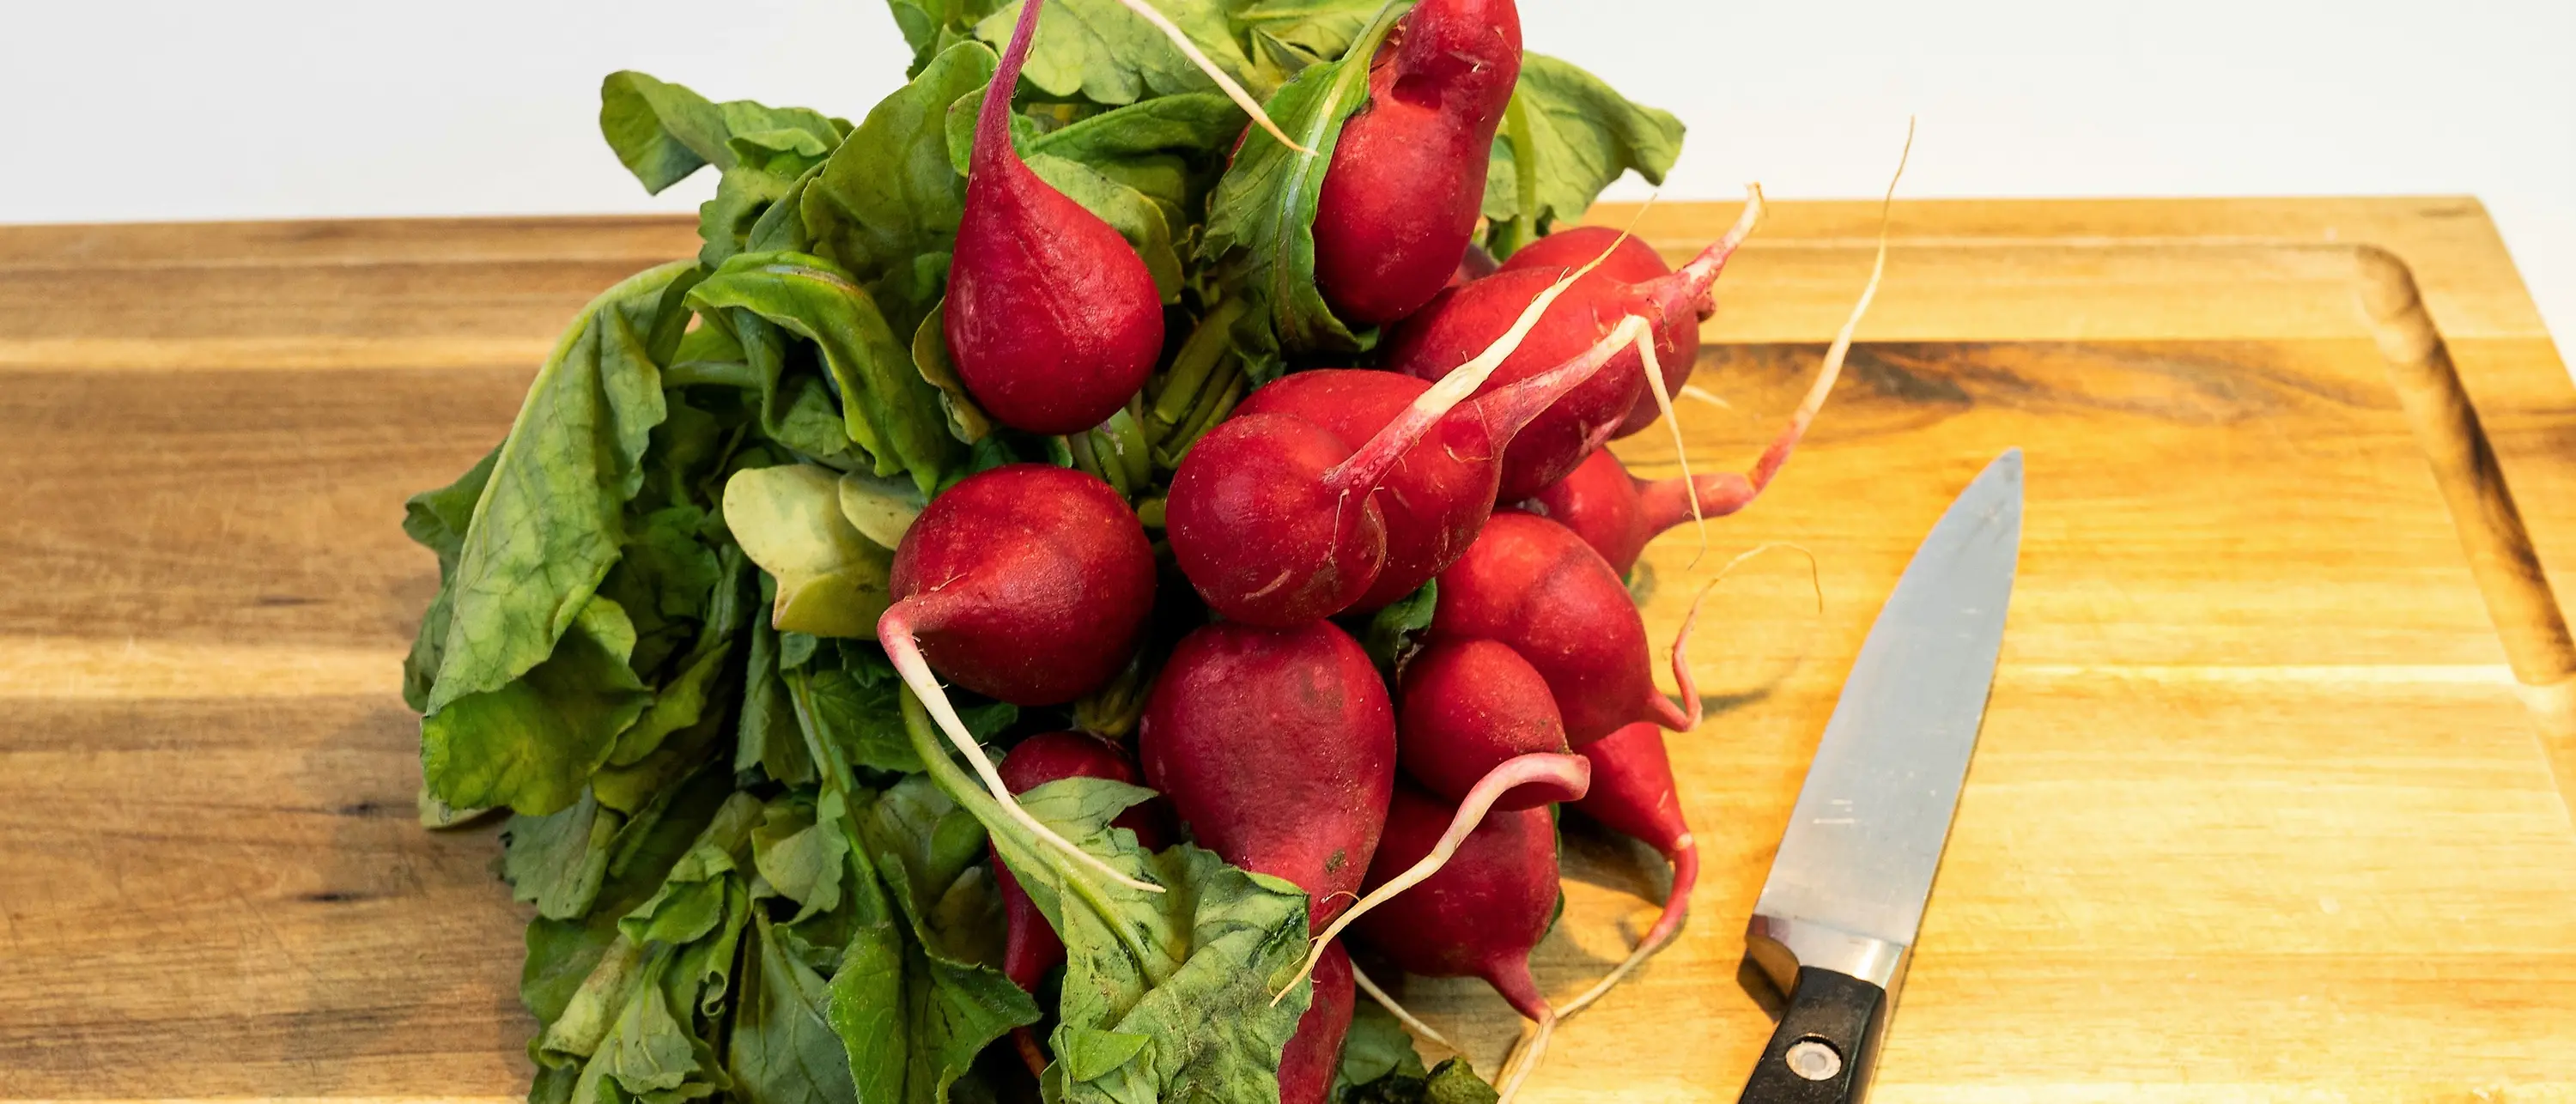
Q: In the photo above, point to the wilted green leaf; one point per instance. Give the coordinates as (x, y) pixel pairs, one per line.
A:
(533, 742)
(548, 524)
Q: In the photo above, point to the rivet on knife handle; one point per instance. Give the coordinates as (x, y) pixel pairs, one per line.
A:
(1826, 1045)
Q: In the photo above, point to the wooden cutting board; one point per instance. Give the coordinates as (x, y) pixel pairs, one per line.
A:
(2259, 813)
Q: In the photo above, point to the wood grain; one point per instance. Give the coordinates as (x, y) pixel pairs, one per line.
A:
(2258, 814)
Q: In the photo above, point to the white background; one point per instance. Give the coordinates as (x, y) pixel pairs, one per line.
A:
(133, 110)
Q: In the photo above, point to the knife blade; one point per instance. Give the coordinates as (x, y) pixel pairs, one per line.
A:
(1836, 923)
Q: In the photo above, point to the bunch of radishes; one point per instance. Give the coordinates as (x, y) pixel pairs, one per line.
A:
(1417, 816)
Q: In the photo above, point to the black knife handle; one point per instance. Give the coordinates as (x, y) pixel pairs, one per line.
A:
(1826, 1045)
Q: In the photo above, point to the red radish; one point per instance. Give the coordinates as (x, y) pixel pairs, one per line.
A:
(1399, 202)
(1030, 946)
(1633, 794)
(1275, 519)
(1314, 1054)
(1277, 748)
(1467, 318)
(1532, 584)
(1028, 583)
(1052, 319)
(1617, 513)
(1467, 706)
(1632, 262)
(1432, 496)
(1260, 534)
(1482, 914)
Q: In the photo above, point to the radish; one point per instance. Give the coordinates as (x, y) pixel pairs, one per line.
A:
(1277, 749)
(1399, 202)
(1275, 520)
(1617, 513)
(1567, 776)
(1433, 495)
(1314, 1054)
(1631, 262)
(1030, 946)
(1028, 583)
(1467, 706)
(1482, 914)
(1633, 794)
(1052, 319)
(1467, 318)
(1532, 584)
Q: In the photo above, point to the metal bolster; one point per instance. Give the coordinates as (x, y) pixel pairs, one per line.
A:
(1780, 946)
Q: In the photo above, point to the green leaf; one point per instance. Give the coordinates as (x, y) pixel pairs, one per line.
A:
(1189, 969)
(664, 579)
(1260, 236)
(1581, 136)
(783, 1049)
(556, 862)
(886, 204)
(926, 852)
(1289, 35)
(802, 860)
(690, 902)
(1099, 51)
(548, 523)
(1451, 1082)
(932, 26)
(830, 579)
(437, 520)
(1377, 1046)
(797, 409)
(1189, 124)
(663, 132)
(681, 702)
(562, 953)
(966, 421)
(767, 737)
(887, 408)
(861, 722)
(532, 743)
(1394, 632)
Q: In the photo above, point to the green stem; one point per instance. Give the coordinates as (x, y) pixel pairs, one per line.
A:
(1125, 441)
(971, 797)
(1199, 355)
(1522, 228)
(1210, 412)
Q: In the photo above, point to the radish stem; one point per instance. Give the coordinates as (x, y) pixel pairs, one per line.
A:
(1419, 1028)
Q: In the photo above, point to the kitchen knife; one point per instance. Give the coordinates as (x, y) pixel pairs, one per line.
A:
(1836, 922)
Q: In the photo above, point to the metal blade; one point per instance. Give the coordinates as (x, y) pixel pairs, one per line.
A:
(1857, 861)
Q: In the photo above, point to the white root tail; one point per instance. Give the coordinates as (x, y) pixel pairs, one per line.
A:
(1526, 1062)
(1225, 83)
(1573, 772)
(1412, 1024)
(894, 631)
(1724, 249)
